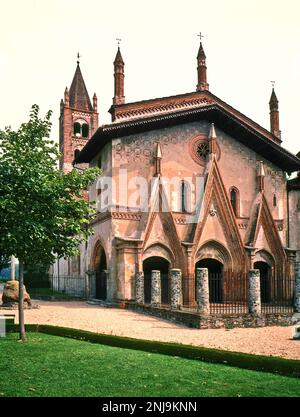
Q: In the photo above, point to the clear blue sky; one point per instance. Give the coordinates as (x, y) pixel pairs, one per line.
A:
(247, 44)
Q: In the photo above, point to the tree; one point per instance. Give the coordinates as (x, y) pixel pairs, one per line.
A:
(4, 261)
(42, 212)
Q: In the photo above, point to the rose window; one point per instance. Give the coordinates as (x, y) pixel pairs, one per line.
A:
(203, 150)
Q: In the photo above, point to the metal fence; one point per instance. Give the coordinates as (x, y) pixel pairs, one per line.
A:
(62, 287)
(75, 286)
(228, 294)
(277, 294)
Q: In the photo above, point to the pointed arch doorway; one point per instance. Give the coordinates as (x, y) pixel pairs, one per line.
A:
(265, 280)
(162, 265)
(100, 267)
(215, 278)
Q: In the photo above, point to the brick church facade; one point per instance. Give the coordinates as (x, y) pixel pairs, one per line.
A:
(245, 217)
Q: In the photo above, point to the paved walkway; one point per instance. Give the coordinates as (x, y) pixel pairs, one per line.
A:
(275, 341)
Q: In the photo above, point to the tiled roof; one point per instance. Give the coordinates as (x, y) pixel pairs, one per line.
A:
(79, 97)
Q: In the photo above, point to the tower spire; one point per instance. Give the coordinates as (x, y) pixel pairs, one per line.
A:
(95, 101)
(67, 97)
(201, 68)
(261, 176)
(274, 113)
(78, 119)
(119, 75)
(79, 96)
(158, 158)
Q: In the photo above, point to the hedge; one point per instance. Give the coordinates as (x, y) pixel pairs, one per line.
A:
(276, 365)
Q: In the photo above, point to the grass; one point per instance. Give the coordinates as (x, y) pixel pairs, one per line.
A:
(276, 365)
(49, 365)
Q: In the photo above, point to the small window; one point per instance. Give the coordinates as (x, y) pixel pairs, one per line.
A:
(274, 200)
(234, 200)
(184, 196)
(77, 129)
(85, 130)
(76, 153)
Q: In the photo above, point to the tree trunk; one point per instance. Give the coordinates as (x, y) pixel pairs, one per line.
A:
(22, 335)
(12, 268)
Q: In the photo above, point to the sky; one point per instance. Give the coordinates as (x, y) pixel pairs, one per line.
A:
(247, 45)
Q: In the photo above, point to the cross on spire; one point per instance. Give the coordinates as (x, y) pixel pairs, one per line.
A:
(273, 83)
(119, 41)
(78, 57)
(200, 36)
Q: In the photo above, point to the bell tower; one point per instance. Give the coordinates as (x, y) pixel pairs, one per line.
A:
(78, 120)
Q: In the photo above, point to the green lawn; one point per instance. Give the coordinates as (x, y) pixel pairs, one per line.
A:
(56, 366)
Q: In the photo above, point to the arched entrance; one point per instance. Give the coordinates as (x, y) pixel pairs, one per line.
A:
(101, 274)
(215, 278)
(162, 265)
(265, 280)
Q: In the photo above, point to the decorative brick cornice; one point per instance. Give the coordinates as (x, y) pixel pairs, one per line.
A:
(119, 215)
(159, 106)
(83, 115)
(180, 219)
(126, 215)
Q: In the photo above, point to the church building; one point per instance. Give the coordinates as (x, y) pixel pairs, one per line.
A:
(218, 217)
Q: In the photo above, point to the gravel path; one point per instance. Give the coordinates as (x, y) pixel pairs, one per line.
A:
(273, 341)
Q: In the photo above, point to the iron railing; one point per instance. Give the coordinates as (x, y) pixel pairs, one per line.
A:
(60, 287)
(228, 294)
(277, 295)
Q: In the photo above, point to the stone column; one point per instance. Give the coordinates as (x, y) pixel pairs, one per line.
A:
(188, 278)
(139, 288)
(155, 288)
(176, 289)
(297, 287)
(202, 290)
(254, 291)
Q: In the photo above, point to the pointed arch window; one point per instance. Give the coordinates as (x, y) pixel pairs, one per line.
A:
(77, 129)
(85, 130)
(235, 200)
(185, 197)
